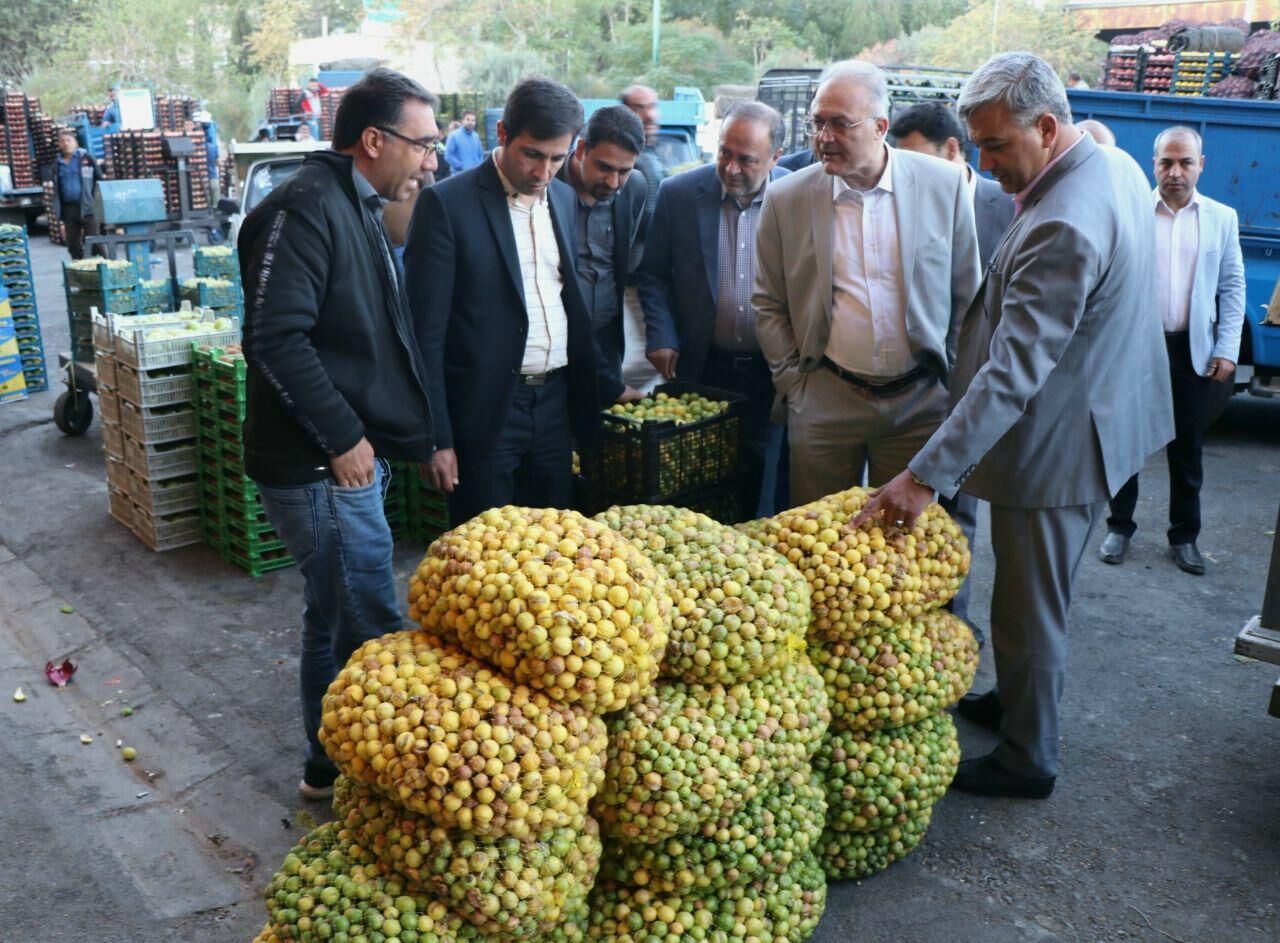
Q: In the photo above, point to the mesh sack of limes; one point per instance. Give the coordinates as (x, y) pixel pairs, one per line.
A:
(644, 726)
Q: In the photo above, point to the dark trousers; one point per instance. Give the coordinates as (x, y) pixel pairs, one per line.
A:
(1195, 401)
(531, 463)
(766, 488)
(77, 228)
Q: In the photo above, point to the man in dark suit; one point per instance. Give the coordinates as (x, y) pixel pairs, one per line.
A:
(504, 332)
(696, 277)
(932, 128)
(607, 219)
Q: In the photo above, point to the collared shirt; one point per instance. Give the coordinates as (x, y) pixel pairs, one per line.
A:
(735, 325)
(1026, 191)
(69, 184)
(972, 179)
(547, 344)
(1177, 249)
(868, 307)
(373, 203)
(594, 227)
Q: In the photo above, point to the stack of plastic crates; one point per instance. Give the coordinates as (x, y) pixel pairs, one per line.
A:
(97, 285)
(146, 397)
(1157, 71)
(17, 277)
(1123, 72)
(156, 295)
(221, 295)
(13, 386)
(695, 465)
(1194, 73)
(232, 519)
(415, 511)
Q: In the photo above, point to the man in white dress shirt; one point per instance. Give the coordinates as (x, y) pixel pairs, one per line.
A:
(864, 263)
(1200, 301)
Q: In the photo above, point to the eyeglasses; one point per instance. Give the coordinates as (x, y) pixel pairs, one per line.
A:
(837, 126)
(422, 144)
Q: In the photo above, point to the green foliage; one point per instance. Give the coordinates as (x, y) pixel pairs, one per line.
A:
(492, 70)
(31, 30)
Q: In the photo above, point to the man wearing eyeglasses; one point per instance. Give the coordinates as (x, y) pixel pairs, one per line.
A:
(336, 385)
(865, 261)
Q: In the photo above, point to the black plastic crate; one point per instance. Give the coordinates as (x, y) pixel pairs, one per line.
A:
(646, 463)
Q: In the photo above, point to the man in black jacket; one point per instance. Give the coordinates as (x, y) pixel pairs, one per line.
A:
(336, 385)
(501, 323)
(608, 214)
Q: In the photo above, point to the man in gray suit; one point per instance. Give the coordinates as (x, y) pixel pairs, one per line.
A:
(932, 128)
(863, 264)
(1062, 389)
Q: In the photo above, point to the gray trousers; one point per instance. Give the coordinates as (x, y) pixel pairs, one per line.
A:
(964, 508)
(1037, 553)
(837, 431)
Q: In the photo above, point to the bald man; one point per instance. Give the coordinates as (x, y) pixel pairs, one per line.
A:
(1098, 131)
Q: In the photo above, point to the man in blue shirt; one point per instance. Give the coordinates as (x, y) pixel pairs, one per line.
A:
(464, 150)
(74, 177)
(111, 114)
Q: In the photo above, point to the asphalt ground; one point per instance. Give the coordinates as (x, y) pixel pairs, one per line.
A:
(1165, 824)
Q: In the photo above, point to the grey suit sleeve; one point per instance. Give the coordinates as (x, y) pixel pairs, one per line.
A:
(769, 299)
(966, 272)
(1231, 294)
(1040, 309)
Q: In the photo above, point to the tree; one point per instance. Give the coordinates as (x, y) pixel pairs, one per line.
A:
(32, 31)
(277, 27)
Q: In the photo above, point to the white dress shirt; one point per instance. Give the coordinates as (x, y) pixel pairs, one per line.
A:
(1177, 248)
(868, 309)
(547, 346)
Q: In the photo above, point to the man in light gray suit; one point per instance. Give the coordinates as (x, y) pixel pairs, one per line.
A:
(863, 264)
(1200, 301)
(1062, 392)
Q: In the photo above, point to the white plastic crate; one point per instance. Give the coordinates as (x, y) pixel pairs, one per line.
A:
(105, 362)
(107, 326)
(156, 462)
(108, 404)
(118, 474)
(119, 506)
(168, 496)
(133, 348)
(158, 424)
(112, 439)
(147, 389)
(167, 531)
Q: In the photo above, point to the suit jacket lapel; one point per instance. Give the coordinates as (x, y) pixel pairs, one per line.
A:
(905, 207)
(709, 232)
(821, 219)
(493, 198)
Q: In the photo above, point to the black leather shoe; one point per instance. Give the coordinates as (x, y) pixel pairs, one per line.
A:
(1188, 558)
(984, 776)
(981, 709)
(1113, 548)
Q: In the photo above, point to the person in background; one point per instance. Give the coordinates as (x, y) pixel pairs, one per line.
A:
(865, 264)
(1098, 131)
(443, 171)
(932, 128)
(111, 114)
(303, 133)
(1200, 295)
(1060, 392)
(205, 122)
(336, 385)
(695, 284)
(503, 329)
(1074, 80)
(75, 177)
(310, 103)
(610, 208)
(463, 149)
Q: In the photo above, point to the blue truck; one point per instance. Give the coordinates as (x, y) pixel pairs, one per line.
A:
(1241, 169)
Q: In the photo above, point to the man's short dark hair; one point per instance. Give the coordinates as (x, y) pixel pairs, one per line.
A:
(376, 101)
(616, 124)
(542, 109)
(764, 114)
(469, 111)
(933, 121)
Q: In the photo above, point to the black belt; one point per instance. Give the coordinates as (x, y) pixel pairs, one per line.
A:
(736, 359)
(539, 379)
(894, 386)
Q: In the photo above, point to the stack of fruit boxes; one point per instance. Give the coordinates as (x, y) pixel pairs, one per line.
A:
(232, 519)
(18, 280)
(107, 287)
(152, 400)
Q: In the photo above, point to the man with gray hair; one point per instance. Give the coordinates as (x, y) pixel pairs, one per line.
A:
(1200, 302)
(1061, 392)
(695, 284)
(865, 262)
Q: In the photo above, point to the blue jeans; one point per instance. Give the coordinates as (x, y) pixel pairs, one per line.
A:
(342, 543)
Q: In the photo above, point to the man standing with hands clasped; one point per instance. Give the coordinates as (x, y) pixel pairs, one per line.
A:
(1200, 300)
(1060, 393)
(335, 383)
